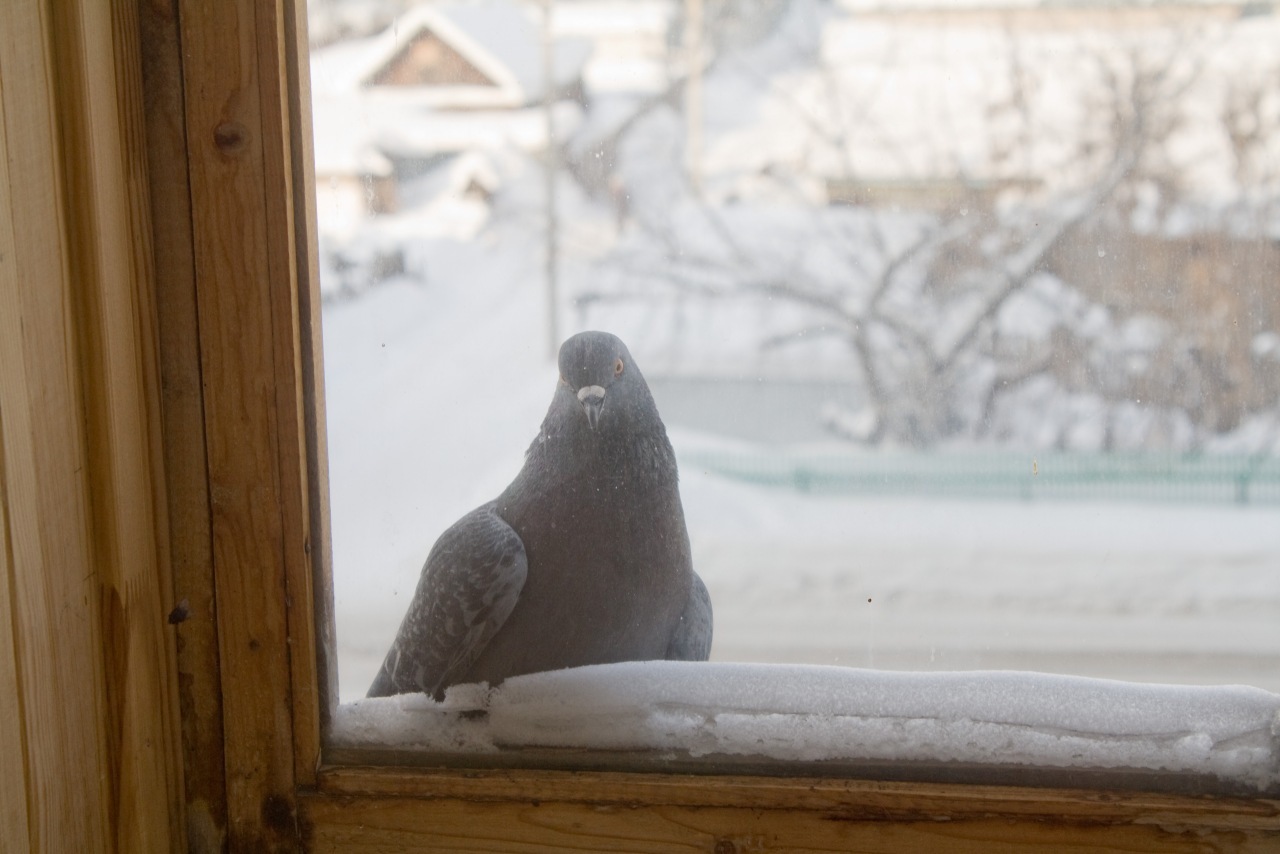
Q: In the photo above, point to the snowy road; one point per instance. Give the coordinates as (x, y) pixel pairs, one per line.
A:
(1174, 594)
(1143, 593)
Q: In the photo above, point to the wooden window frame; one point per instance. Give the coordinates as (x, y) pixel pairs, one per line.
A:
(206, 336)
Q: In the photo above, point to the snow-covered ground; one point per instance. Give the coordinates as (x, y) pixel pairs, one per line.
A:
(435, 389)
(713, 712)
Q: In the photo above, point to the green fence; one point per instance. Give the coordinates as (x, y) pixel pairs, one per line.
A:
(1010, 475)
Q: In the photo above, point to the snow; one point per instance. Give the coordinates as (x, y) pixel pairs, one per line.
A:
(1266, 345)
(1036, 311)
(895, 98)
(630, 38)
(344, 146)
(341, 68)
(811, 713)
(423, 132)
(597, 18)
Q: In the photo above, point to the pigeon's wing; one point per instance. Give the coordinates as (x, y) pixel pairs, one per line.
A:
(692, 638)
(471, 581)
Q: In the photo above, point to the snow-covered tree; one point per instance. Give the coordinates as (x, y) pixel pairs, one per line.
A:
(995, 229)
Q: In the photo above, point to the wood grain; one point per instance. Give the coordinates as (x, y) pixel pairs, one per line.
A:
(53, 595)
(110, 260)
(289, 173)
(241, 170)
(855, 799)
(314, 646)
(188, 509)
(89, 658)
(229, 143)
(14, 835)
(381, 824)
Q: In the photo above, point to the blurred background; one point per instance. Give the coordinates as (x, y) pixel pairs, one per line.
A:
(963, 315)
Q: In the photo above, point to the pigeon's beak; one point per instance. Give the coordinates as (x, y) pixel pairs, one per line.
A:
(592, 399)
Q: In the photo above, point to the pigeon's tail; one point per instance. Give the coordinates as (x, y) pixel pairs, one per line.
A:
(383, 685)
(692, 638)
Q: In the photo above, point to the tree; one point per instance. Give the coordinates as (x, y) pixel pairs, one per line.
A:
(1032, 178)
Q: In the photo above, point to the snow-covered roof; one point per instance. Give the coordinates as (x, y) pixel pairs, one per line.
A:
(986, 5)
(418, 134)
(344, 146)
(501, 39)
(914, 102)
(631, 39)
(597, 18)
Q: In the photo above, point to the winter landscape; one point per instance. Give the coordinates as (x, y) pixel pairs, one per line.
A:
(850, 230)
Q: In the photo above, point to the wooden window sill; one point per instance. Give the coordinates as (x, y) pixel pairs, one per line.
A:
(358, 808)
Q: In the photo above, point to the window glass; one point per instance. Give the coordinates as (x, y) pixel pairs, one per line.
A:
(963, 318)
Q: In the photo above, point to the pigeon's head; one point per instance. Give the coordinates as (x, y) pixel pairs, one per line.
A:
(597, 369)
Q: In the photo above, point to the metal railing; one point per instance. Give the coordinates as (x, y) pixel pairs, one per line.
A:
(1202, 478)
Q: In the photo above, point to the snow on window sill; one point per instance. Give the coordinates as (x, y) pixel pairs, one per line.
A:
(810, 713)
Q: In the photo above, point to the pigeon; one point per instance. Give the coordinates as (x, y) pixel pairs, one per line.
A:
(583, 559)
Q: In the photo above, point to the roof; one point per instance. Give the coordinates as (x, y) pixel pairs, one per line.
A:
(500, 38)
(344, 146)
(877, 6)
(601, 18)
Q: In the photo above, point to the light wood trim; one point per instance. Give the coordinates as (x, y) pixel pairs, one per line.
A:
(860, 798)
(231, 153)
(46, 506)
(185, 465)
(109, 234)
(397, 826)
(14, 835)
(316, 681)
(540, 811)
(90, 718)
(52, 615)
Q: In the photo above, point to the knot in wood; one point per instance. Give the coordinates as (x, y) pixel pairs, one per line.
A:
(725, 846)
(231, 137)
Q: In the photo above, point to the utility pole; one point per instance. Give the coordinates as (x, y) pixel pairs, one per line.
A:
(548, 104)
(693, 108)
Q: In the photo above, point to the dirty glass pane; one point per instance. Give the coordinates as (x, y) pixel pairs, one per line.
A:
(963, 318)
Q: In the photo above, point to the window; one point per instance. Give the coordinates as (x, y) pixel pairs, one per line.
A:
(244, 460)
(932, 302)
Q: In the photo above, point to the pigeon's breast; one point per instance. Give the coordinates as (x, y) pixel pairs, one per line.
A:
(609, 573)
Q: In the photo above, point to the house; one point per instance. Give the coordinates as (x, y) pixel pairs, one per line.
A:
(947, 104)
(455, 56)
(354, 179)
(634, 42)
(442, 79)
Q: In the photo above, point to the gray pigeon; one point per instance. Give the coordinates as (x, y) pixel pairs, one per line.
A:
(584, 559)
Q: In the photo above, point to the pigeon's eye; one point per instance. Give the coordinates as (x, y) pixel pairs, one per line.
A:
(617, 367)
